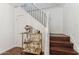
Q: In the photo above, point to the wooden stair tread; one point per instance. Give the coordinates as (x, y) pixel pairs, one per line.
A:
(63, 42)
(67, 50)
(52, 38)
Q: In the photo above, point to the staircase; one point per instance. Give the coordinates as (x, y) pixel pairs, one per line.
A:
(36, 13)
(60, 45)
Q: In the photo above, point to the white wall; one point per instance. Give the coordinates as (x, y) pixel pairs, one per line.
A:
(56, 19)
(6, 27)
(71, 23)
(22, 19)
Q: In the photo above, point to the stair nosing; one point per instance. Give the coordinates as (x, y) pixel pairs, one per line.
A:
(60, 42)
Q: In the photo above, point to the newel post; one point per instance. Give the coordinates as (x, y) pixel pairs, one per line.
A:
(47, 35)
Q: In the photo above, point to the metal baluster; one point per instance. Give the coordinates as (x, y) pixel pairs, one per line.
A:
(35, 13)
(29, 11)
(43, 18)
(38, 13)
(40, 16)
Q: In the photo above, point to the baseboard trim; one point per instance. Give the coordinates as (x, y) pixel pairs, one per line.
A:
(6, 49)
(76, 48)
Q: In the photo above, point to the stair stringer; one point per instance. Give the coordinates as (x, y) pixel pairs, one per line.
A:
(22, 19)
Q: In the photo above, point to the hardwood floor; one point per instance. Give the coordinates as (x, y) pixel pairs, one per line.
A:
(17, 51)
(13, 51)
(60, 45)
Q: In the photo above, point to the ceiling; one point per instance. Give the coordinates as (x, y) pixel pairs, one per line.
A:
(40, 5)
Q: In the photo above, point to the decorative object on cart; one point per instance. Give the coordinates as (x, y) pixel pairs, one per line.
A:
(35, 31)
(33, 44)
(28, 28)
